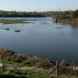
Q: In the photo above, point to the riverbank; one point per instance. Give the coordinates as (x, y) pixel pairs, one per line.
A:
(28, 66)
(67, 17)
(73, 21)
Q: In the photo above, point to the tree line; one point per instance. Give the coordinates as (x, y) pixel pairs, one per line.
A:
(20, 14)
(65, 14)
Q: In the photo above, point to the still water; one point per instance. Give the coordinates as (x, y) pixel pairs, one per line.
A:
(41, 37)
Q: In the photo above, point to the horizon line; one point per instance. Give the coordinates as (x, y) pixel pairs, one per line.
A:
(37, 10)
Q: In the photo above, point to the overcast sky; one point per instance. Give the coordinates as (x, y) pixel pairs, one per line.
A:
(38, 5)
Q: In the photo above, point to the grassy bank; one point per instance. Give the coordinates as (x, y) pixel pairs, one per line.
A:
(14, 65)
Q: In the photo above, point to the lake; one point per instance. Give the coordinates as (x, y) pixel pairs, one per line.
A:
(41, 37)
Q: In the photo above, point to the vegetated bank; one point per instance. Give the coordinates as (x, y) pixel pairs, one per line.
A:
(67, 17)
(14, 65)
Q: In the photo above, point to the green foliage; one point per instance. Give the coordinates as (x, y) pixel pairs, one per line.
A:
(20, 14)
(26, 74)
(37, 74)
(28, 63)
(11, 76)
(75, 14)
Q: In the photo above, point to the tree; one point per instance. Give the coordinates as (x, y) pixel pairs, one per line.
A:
(75, 14)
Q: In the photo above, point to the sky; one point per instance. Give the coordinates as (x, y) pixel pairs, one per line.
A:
(38, 5)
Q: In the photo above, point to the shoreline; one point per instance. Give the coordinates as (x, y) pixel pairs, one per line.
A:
(67, 17)
(73, 22)
(11, 55)
(11, 61)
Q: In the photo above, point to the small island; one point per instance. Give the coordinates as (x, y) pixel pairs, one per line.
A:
(13, 21)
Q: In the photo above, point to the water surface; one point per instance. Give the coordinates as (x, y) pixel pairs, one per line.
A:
(42, 37)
